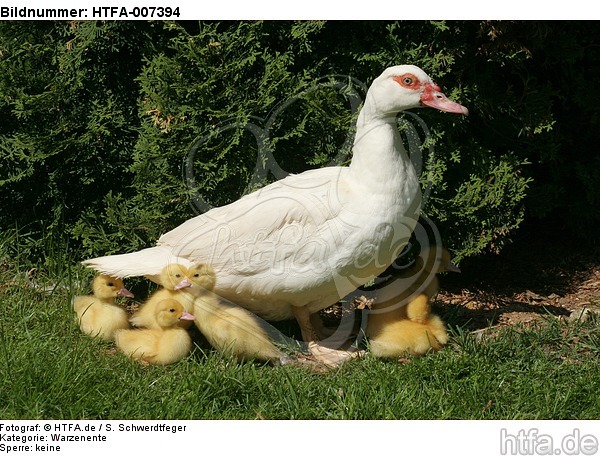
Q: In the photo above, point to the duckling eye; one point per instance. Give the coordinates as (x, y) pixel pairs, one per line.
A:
(196, 275)
(171, 310)
(178, 275)
(110, 284)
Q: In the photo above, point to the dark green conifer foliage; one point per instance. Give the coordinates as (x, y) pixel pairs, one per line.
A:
(115, 132)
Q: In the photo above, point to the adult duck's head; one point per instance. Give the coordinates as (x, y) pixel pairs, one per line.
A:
(405, 87)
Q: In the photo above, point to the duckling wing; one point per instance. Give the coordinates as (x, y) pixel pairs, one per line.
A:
(82, 303)
(137, 343)
(174, 345)
(89, 315)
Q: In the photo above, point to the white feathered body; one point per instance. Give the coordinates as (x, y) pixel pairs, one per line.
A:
(309, 239)
(310, 242)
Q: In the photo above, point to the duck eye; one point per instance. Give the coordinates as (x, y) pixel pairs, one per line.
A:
(407, 80)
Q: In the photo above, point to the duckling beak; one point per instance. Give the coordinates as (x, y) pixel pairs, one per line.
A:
(185, 283)
(187, 316)
(451, 267)
(125, 292)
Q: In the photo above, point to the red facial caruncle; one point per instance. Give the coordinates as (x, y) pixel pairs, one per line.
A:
(431, 94)
(408, 81)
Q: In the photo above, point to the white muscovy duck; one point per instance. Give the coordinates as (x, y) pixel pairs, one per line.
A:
(300, 244)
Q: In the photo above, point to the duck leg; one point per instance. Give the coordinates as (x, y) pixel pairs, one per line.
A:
(322, 331)
(328, 356)
(302, 315)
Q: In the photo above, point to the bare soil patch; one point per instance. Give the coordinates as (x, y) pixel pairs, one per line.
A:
(543, 273)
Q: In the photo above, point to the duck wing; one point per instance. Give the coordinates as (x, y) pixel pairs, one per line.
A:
(251, 235)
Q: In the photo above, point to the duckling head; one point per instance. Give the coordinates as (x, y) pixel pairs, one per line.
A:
(169, 312)
(197, 279)
(106, 287)
(202, 276)
(438, 259)
(174, 277)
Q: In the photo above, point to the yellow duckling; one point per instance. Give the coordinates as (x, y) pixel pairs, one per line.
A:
(176, 285)
(98, 315)
(165, 342)
(230, 328)
(396, 329)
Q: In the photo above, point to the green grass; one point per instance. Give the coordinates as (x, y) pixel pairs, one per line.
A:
(48, 370)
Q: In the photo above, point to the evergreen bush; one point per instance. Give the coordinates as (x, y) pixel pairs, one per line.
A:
(114, 132)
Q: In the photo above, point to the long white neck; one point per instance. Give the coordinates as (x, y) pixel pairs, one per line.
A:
(379, 159)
